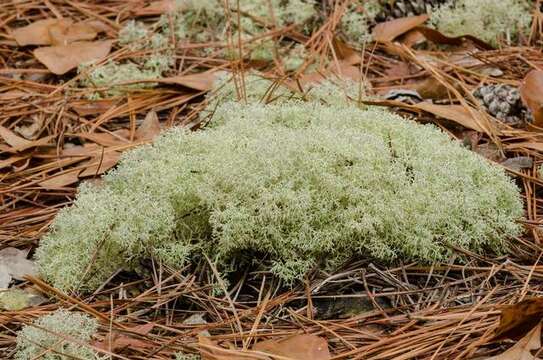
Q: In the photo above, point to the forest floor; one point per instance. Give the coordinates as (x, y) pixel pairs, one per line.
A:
(479, 308)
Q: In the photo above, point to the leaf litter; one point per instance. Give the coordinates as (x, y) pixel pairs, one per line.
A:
(447, 310)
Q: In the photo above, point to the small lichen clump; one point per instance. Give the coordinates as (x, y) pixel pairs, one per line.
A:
(205, 20)
(488, 20)
(13, 299)
(120, 77)
(357, 19)
(209, 20)
(183, 356)
(290, 185)
(49, 337)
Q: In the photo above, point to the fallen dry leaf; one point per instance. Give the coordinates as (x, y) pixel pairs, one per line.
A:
(201, 82)
(210, 350)
(60, 181)
(518, 319)
(389, 30)
(12, 139)
(346, 54)
(439, 38)
(412, 38)
(61, 59)
(117, 341)
(398, 70)
(149, 128)
(456, 113)
(531, 93)
(522, 349)
(30, 130)
(36, 33)
(430, 88)
(16, 263)
(106, 139)
(10, 161)
(5, 277)
(18, 143)
(105, 162)
(65, 32)
(54, 32)
(518, 162)
(88, 149)
(299, 347)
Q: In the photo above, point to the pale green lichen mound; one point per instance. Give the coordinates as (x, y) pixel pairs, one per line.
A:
(214, 20)
(292, 186)
(254, 88)
(357, 19)
(53, 331)
(206, 20)
(116, 78)
(488, 20)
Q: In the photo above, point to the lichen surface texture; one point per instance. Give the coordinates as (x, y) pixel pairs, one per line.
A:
(290, 187)
(60, 335)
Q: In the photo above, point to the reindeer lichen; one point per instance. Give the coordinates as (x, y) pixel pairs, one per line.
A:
(60, 335)
(295, 185)
(120, 77)
(488, 20)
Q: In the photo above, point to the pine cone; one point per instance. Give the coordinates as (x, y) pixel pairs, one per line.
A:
(504, 103)
(395, 9)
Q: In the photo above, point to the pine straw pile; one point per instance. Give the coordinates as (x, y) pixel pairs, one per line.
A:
(59, 130)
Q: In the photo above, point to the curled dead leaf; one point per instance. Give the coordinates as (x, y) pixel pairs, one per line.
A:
(456, 113)
(11, 161)
(389, 30)
(346, 54)
(518, 319)
(430, 88)
(439, 38)
(531, 93)
(12, 139)
(522, 350)
(18, 143)
(61, 59)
